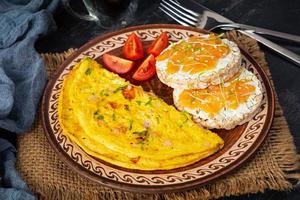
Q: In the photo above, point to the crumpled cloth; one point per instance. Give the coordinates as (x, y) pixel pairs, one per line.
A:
(22, 80)
(11, 185)
(22, 72)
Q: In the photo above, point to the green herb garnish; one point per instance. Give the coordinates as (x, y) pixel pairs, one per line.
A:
(97, 115)
(96, 112)
(141, 133)
(88, 71)
(120, 88)
(130, 125)
(138, 102)
(114, 116)
(157, 119)
(148, 102)
(220, 35)
(100, 117)
(142, 137)
(193, 99)
(104, 93)
(186, 118)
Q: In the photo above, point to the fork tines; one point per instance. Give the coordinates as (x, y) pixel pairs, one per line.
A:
(179, 13)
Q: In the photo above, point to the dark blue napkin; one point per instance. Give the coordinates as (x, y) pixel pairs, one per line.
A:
(12, 186)
(22, 79)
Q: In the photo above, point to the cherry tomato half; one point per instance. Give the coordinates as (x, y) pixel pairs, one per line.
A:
(117, 64)
(159, 44)
(133, 48)
(146, 70)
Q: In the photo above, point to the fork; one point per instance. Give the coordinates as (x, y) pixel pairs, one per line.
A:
(187, 17)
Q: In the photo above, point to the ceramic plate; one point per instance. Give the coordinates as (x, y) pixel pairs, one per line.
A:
(240, 143)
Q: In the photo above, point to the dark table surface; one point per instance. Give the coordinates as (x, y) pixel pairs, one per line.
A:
(281, 15)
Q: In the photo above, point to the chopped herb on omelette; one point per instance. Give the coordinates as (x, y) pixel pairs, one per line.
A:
(121, 124)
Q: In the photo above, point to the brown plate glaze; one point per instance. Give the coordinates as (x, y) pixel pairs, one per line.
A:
(240, 143)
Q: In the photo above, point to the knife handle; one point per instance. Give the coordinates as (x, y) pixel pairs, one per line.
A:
(275, 47)
(261, 31)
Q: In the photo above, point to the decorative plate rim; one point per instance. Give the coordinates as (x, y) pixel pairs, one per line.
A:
(151, 188)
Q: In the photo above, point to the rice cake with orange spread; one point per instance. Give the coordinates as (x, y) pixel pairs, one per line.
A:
(198, 61)
(225, 105)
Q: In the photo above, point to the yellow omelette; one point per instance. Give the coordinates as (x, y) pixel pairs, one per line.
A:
(120, 123)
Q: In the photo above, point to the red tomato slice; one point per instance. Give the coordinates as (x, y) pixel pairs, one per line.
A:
(133, 48)
(146, 70)
(117, 64)
(159, 44)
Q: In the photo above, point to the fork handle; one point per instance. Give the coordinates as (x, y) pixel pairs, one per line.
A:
(279, 49)
(262, 31)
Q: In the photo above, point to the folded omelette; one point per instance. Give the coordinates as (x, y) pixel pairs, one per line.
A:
(115, 121)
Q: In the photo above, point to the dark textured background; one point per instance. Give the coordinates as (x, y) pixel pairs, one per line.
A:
(281, 15)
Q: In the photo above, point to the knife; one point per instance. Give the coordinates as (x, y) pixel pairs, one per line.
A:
(210, 19)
